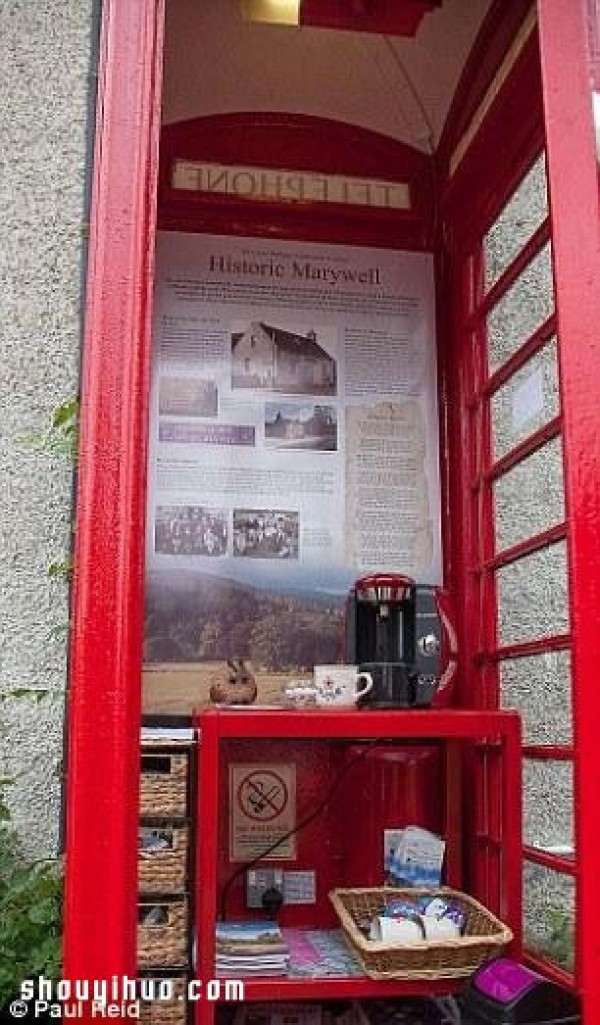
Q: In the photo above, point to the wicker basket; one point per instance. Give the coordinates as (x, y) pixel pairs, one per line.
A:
(448, 959)
(163, 783)
(164, 871)
(162, 934)
(167, 1012)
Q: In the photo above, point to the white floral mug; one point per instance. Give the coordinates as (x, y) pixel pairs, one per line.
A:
(338, 686)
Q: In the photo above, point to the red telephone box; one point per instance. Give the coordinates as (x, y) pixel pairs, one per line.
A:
(522, 109)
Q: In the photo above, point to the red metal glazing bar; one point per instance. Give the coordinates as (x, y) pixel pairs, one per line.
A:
(495, 781)
(512, 833)
(557, 642)
(523, 354)
(477, 810)
(488, 585)
(529, 349)
(530, 345)
(555, 862)
(444, 365)
(525, 448)
(486, 693)
(485, 840)
(575, 214)
(454, 826)
(462, 509)
(551, 752)
(532, 544)
(549, 969)
(100, 913)
(516, 268)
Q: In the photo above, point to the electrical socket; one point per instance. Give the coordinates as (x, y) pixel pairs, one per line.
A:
(260, 879)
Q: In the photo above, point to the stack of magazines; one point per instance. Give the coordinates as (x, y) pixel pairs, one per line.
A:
(250, 948)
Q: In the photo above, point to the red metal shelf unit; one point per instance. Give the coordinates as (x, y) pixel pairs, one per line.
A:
(493, 736)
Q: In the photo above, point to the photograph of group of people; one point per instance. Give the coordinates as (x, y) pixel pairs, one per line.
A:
(265, 534)
(196, 530)
(190, 530)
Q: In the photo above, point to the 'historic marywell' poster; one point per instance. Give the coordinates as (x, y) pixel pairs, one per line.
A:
(294, 443)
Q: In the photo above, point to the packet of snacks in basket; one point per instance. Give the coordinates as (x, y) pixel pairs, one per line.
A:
(412, 920)
(418, 859)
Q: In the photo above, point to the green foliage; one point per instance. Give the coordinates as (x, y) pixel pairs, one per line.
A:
(31, 891)
(62, 569)
(560, 943)
(63, 433)
(30, 905)
(63, 437)
(38, 694)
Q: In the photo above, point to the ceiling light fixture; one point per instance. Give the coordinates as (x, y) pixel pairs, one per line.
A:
(278, 12)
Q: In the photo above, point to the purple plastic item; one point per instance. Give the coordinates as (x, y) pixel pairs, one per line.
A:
(504, 980)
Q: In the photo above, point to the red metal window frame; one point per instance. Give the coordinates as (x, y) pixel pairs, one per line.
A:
(573, 188)
(485, 560)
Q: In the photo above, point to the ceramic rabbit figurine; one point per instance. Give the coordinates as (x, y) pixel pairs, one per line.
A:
(234, 686)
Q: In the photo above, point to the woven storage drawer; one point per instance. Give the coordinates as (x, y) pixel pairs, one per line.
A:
(162, 934)
(485, 936)
(163, 783)
(162, 858)
(167, 1012)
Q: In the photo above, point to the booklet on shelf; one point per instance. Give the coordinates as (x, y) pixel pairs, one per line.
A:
(251, 948)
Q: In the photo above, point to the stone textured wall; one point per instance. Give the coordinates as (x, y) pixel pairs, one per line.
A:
(47, 82)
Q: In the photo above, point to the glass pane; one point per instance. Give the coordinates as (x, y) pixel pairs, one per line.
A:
(525, 211)
(548, 805)
(526, 402)
(517, 314)
(539, 687)
(549, 914)
(530, 497)
(532, 596)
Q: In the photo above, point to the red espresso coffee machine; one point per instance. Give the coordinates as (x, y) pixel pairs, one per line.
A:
(402, 634)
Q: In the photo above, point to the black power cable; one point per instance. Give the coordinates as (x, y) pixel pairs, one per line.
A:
(247, 865)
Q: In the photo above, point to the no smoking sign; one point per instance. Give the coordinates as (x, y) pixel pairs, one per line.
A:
(262, 801)
(262, 795)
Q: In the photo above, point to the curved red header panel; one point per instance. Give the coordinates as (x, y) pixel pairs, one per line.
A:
(387, 17)
(270, 143)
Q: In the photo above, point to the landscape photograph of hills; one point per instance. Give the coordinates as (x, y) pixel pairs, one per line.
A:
(204, 618)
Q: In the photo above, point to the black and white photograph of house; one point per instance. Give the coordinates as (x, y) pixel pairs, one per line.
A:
(303, 426)
(275, 359)
(265, 533)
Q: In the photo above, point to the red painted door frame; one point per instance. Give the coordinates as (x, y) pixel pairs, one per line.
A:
(104, 714)
(575, 219)
(104, 703)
